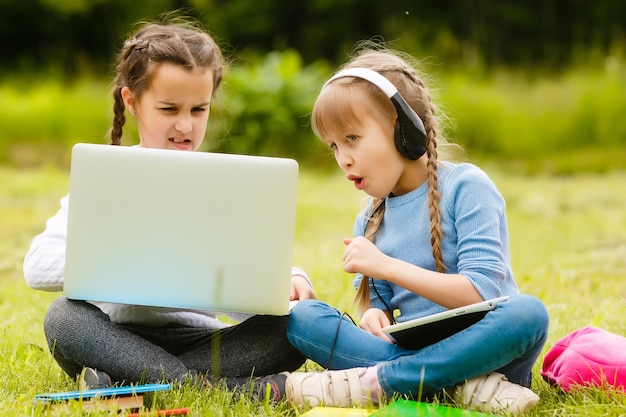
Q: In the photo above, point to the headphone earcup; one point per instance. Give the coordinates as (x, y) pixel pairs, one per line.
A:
(399, 141)
(409, 133)
(410, 149)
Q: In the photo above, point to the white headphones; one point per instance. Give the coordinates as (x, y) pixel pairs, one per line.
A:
(409, 134)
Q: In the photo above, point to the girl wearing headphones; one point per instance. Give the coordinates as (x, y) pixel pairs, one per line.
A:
(433, 237)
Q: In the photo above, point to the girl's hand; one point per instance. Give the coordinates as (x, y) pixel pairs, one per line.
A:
(300, 289)
(373, 320)
(362, 256)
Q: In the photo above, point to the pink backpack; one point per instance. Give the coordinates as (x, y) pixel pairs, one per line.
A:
(588, 356)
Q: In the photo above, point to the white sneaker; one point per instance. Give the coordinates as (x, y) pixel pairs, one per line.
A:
(330, 388)
(494, 393)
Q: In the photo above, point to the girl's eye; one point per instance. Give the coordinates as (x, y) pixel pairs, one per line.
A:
(350, 138)
(168, 109)
(198, 110)
(332, 145)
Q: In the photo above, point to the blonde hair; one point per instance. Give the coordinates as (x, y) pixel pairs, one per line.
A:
(176, 42)
(334, 108)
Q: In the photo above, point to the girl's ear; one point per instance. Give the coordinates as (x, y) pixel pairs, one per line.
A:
(129, 99)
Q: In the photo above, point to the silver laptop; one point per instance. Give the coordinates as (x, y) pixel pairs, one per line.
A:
(423, 331)
(180, 229)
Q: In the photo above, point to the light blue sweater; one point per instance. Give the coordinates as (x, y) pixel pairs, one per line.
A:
(475, 240)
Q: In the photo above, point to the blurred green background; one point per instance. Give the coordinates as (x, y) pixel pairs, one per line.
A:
(538, 85)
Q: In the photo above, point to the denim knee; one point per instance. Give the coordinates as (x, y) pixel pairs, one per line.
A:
(307, 317)
(300, 314)
(531, 313)
(529, 316)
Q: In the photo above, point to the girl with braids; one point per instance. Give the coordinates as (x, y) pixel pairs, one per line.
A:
(433, 237)
(167, 74)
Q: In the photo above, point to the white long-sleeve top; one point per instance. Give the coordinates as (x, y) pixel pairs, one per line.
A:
(44, 269)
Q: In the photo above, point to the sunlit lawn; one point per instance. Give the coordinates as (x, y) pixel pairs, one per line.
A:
(568, 244)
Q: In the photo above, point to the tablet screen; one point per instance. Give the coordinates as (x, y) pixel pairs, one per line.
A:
(415, 338)
(425, 331)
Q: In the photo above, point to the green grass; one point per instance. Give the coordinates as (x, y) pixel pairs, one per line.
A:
(568, 243)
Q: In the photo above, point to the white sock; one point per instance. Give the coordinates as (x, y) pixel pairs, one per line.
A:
(369, 381)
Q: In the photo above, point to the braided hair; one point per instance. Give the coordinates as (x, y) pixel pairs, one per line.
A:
(400, 72)
(178, 43)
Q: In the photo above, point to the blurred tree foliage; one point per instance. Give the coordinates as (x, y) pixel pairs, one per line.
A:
(264, 107)
(486, 55)
(79, 34)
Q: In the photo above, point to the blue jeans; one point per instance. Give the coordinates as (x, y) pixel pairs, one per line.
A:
(508, 340)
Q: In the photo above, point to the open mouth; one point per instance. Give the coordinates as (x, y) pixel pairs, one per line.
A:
(359, 182)
(180, 141)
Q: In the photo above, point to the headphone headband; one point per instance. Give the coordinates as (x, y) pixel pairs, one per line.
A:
(367, 74)
(410, 134)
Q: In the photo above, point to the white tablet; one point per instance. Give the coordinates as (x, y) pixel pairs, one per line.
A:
(418, 333)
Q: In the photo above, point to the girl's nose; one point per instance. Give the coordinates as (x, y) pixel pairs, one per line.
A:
(183, 124)
(344, 160)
